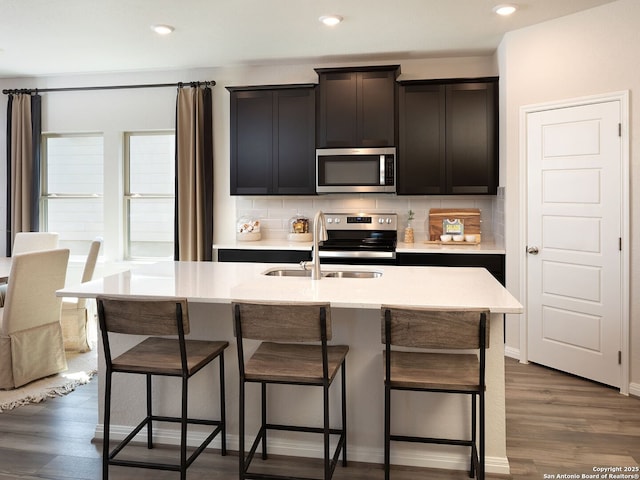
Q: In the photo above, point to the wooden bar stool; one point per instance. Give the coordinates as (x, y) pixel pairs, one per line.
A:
(451, 372)
(291, 363)
(173, 357)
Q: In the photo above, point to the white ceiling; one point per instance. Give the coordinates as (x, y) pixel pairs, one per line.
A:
(48, 37)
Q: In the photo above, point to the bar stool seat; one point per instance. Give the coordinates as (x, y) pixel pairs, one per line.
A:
(161, 356)
(434, 371)
(289, 354)
(173, 357)
(277, 362)
(454, 372)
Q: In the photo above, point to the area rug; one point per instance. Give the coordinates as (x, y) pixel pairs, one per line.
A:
(82, 367)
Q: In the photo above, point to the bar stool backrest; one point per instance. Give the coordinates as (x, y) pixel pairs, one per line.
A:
(281, 322)
(143, 316)
(435, 329)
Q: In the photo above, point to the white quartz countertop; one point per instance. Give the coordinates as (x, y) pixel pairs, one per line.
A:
(417, 247)
(221, 282)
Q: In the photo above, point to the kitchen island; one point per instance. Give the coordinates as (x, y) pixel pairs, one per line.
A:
(355, 302)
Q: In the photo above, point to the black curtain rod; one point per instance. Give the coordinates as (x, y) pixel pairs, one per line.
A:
(108, 87)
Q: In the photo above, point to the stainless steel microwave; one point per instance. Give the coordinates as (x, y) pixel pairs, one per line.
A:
(356, 170)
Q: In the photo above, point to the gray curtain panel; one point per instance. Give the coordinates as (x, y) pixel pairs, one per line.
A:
(194, 174)
(23, 165)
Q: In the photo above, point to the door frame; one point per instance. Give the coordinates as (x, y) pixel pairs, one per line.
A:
(525, 110)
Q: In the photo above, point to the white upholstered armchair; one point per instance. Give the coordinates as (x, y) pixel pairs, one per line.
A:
(31, 345)
(25, 242)
(34, 241)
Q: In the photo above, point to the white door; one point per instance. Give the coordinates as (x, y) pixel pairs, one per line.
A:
(573, 237)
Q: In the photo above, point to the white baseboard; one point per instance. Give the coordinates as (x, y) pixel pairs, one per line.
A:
(427, 459)
(512, 352)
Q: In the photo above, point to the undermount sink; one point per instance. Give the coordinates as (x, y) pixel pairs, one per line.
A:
(286, 272)
(352, 274)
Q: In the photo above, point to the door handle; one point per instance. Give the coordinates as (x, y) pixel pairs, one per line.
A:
(532, 250)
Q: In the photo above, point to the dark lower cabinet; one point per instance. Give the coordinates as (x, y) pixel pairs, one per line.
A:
(272, 140)
(448, 137)
(491, 261)
(494, 262)
(263, 256)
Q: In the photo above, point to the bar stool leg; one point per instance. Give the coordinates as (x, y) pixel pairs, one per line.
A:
(264, 420)
(387, 430)
(344, 413)
(106, 425)
(241, 430)
(325, 433)
(223, 414)
(183, 429)
(149, 413)
(474, 451)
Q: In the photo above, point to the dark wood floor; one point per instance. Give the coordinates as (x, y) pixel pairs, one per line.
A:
(556, 424)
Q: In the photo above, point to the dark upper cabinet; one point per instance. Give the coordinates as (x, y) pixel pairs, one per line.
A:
(421, 147)
(356, 107)
(448, 137)
(273, 140)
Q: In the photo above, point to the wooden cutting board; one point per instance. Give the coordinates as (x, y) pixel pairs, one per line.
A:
(470, 218)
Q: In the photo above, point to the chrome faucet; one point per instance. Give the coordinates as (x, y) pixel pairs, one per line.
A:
(319, 235)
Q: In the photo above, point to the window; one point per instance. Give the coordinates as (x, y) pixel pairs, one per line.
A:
(149, 194)
(72, 189)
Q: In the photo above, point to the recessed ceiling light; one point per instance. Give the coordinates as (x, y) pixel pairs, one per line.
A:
(331, 20)
(505, 9)
(162, 29)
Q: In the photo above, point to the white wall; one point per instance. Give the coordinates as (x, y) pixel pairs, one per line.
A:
(589, 53)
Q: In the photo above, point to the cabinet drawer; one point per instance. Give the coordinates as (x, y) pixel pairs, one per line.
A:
(263, 256)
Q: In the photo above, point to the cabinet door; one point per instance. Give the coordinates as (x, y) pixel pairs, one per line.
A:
(472, 160)
(294, 148)
(421, 148)
(337, 122)
(357, 108)
(376, 109)
(251, 142)
(273, 140)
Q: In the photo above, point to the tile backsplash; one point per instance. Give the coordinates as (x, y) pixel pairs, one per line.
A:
(274, 212)
(498, 216)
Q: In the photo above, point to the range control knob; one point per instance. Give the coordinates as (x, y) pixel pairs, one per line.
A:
(336, 220)
(388, 220)
(329, 220)
(381, 220)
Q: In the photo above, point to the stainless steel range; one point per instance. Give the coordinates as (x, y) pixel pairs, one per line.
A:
(360, 238)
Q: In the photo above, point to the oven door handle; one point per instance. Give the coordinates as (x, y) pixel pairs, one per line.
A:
(355, 254)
